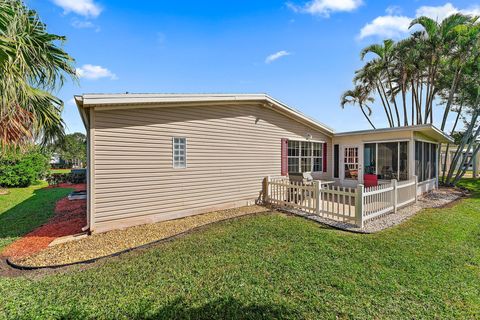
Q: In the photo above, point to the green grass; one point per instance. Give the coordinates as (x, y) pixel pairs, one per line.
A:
(276, 266)
(23, 209)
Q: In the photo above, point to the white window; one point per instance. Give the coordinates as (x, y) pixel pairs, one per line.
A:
(305, 156)
(179, 152)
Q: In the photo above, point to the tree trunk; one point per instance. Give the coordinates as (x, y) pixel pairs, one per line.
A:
(393, 97)
(451, 95)
(444, 168)
(366, 116)
(405, 116)
(386, 100)
(460, 148)
(465, 168)
(385, 108)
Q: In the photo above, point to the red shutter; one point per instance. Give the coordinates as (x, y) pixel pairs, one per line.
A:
(284, 160)
(325, 157)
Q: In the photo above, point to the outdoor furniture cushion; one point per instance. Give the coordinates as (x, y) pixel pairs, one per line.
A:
(370, 180)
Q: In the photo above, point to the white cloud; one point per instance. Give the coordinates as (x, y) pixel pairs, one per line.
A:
(84, 24)
(386, 27)
(393, 25)
(276, 56)
(326, 7)
(86, 8)
(393, 10)
(92, 72)
(441, 12)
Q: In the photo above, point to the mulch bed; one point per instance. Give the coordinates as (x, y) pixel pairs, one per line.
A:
(70, 218)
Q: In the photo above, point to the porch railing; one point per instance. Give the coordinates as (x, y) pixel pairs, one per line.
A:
(352, 205)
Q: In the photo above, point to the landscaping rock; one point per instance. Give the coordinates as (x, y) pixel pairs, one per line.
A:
(103, 244)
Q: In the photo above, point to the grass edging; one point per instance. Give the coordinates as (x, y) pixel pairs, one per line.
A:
(143, 246)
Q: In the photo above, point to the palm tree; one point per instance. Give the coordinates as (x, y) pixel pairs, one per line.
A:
(32, 65)
(439, 39)
(369, 77)
(360, 96)
(385, 53)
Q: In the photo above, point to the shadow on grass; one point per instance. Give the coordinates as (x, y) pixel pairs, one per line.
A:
(223, 308)
(29, 214)
(473, 185)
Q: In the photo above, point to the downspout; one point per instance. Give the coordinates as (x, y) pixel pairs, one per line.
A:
(86, 123)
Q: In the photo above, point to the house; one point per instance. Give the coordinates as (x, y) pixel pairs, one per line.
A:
(474, 167)
(154, 157)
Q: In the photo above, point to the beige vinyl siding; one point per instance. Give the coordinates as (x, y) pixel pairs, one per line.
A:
(230, 149)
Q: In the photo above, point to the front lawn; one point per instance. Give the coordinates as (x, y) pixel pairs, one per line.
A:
(276, 266)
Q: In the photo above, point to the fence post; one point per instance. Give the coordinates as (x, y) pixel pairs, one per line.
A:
(395, 195)
(359, 205)
(416, 188)
(318, 185)
(266, 187)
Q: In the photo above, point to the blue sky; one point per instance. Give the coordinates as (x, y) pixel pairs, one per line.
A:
(303, 53)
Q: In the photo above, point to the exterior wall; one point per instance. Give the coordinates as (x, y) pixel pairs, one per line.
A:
(449, 158)
(359, 140)
(230, 149)
(427, 186)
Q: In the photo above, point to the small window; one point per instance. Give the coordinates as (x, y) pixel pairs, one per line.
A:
(179, 152)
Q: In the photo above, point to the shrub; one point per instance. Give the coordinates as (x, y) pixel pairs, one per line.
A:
(21, 169)
(75, 176)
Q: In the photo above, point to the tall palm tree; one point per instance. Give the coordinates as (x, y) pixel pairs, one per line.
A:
(439, 38)
(369, 77)
(360, 96)
(385, 53)
(32, 66)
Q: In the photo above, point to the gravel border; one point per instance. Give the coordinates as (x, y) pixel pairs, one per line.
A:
(113, 243)
(434, 199)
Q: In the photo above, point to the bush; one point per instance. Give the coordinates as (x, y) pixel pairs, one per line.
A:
(18, 170)
(76, 176)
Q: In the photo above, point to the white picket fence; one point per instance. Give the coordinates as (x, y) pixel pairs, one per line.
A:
(386, 198)
(352, 205)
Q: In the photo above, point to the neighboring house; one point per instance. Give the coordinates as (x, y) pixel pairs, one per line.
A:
(56, 161)
(474, 166)
(154, 157)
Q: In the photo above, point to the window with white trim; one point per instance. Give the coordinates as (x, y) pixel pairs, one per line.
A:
(179, 153)
(305, 156)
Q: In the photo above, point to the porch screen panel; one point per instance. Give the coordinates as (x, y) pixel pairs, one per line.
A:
(388, 160)
(427, 164)
(419, 160)
(403, 174)
(426, 160)
(433, 157)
